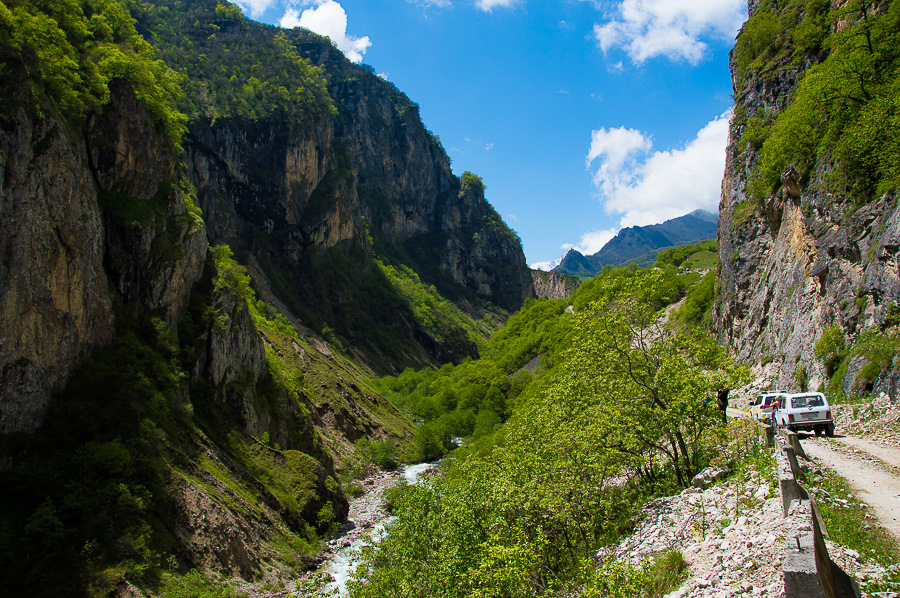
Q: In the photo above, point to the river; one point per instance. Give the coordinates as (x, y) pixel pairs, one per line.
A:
(366, 522)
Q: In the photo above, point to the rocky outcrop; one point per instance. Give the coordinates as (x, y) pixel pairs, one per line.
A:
(804, 258)
(553, 285)
(232, 359)
(155, 248)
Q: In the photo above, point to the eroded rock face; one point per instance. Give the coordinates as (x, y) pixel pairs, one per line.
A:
(78, 213)
(553, 285)
(154, 249)
(313, 196)
(232, 360)
(54, 302)
(803, 261)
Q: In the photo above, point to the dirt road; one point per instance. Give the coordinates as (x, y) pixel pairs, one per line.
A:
(872, 470)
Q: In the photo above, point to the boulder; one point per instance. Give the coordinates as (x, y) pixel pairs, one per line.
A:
(708, 476)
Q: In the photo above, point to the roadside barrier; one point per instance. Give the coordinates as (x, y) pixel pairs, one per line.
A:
(809, 571)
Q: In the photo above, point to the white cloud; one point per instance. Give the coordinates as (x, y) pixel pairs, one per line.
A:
(672, 28)
(594, 241)
(255, 7)
(488, 147)
(615, 146)
(428, 3)
(327, 18)
(489, 5)
(651, 188)
(545, 266)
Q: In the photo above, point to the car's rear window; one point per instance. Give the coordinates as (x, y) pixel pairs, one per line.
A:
(809, 401)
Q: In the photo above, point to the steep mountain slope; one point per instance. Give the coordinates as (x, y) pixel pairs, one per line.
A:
(314, 196)
(810, 228)
(641, 244)
(155, 415)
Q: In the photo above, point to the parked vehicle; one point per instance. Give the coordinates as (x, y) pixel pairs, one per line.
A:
(806, 411)
(761, 408)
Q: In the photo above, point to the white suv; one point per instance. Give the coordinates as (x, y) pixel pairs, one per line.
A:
(761, 408)
(808, 411)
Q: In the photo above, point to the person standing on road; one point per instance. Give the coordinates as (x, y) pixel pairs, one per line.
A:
(775, 405)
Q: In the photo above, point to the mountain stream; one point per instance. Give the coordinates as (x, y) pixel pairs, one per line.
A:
(365, 523)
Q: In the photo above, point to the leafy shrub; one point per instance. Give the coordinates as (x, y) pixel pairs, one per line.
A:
(831, 349)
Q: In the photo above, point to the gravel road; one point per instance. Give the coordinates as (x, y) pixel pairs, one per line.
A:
(871, 469)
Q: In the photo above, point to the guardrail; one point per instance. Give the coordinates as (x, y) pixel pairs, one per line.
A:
(809, 571)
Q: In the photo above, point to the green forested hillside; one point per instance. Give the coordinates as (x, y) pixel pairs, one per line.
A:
(66, 53)
(474, 397)
(621, 404)
(232, 68)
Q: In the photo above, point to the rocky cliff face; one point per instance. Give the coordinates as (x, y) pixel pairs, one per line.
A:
(54, 302)
(312, 202)
(805, 258)
(101, 245)
(81, 213)
(553, 285)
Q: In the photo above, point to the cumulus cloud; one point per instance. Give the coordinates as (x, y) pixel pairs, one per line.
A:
(328, 18)
(594, 241)
(545, 266)
(675, 29)
(618, 148)
(647, 188)
(489, 5)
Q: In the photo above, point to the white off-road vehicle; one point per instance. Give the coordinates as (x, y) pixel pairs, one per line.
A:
(761, 408)
(805, 411)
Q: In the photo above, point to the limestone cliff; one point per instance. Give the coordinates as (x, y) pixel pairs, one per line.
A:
(314, 197)
(83, 215)
(811, 253)
(54, 301)
(553, 285)
(115, 333)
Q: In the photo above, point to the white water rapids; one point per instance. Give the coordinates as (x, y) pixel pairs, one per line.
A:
(347, 559)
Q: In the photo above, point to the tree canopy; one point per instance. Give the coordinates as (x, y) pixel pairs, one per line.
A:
(68, 51)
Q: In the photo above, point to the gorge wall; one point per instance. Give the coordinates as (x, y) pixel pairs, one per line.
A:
(815, 254)
(137, 368)
(316, 196)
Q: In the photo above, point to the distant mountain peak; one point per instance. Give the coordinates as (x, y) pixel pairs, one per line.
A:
(641, 243)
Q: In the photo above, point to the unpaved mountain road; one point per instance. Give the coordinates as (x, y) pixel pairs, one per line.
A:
(871, 469)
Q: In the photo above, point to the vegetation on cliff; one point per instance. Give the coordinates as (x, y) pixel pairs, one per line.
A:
(232, 68)
(66, 53)
(97, 496)
(844, 113)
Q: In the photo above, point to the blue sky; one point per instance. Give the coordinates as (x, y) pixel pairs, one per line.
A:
(582, 116)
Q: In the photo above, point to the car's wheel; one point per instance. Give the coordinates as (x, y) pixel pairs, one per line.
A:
(829, 431)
